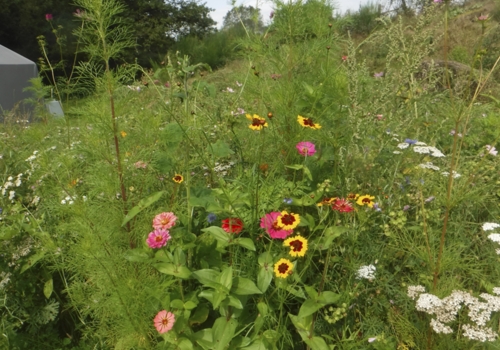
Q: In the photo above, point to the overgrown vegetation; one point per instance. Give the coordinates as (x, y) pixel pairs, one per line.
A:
(325, 191)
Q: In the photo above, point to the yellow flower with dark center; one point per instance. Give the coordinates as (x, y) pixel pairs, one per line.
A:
(297, 244)
(257, 122)
(366, 200)
(283, 268)
(123, 133)
(327, 201)
(352, 196)
(308, 123)
(178, 178)
(288, 221)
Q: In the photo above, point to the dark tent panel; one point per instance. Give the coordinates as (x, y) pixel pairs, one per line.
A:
(15, 73)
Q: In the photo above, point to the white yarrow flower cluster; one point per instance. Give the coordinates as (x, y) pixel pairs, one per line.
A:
(455, 174)
(488, 226)
(446, 311)
(429, 165)
(494, 237)
(422, 148)
(366, 272)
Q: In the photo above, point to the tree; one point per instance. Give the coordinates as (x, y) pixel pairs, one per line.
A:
(248, 16)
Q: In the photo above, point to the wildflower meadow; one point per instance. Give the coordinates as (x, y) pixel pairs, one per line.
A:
(325, 190)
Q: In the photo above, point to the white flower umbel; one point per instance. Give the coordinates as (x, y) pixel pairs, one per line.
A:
(403, 145)
(367, 272)
(488, 226)
(429, 165)
(447, 309)
(421, 149)
(455, 174)
(495, 237)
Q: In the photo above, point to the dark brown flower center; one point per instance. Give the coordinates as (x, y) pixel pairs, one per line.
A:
(296, 245)
(178, 178)
(258, 122)
(309, 122)
(276, 226)
(366, 200)
(283, 268)
(288, 219)
(164, 321)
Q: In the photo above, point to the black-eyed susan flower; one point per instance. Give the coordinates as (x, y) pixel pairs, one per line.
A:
(308, 123)
(288, 221)
(283, 268)
(366, 200)
(257, 122)
(297, 244)
(178, 178)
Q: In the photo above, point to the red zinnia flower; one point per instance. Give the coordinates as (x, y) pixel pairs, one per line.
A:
(232, 225)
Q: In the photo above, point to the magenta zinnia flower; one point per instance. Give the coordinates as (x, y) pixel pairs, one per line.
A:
(48, 17)
(270, 223)
(164, 220)
(306, 148)
(342, 205)
(158, 238)
(164, 321)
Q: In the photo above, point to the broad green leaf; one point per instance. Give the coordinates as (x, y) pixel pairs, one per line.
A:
(190, 305)
(264, 278)
(328, 298)
(311, 292)
(207, 294)
(174, 270)
(204, 338)
(226, 277)
(48, 287)
(258, 344)
(177, 304)
(316, 343)
(184, 344)
(220, 149)
(218, 298)
(137, 255)
(235, 302)
(200, 315)
(208, 277)
(309, 307)
(143, 204)
(223, 332)
(331, 233)
(244, 286)
(265, 259)
(295, 166)
(218, 233)
(179, 256)
(301, 323)
(296, 290)
(307, 173)
(245, 243)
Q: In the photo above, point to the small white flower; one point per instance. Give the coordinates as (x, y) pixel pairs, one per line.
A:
(415, 291)
(421, 149)
(491, 150)
(429, 165)
(403, 145)
(495, 237)
(488, 226)
(12, 194)
(367, 272)
(63, 201)
(455, 174)
(396, 152)
(420, 143)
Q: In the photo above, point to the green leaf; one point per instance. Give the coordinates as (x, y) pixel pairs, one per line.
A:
(245, 243)
(316, 343)
(184, 344)
(226, 277)
(235, 302)
(208, 277)
(137, 255)
(328, 298)
(309, 307)
(143, 204)
(313, 293)
(223, 332)
(177, 304)
(220, 149)
(301, 323)
(307, 173)
(48, 287)
(219, 234)
(264, 278)
(295, 166)
(32, 260)
(258, 344)
(189, 305)
(174, 270)
(200, 315)
(244, 286)
(296, 290)
(179, 256)
(265, 259)
(204, 338)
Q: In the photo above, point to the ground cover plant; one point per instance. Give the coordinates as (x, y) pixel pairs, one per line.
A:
(309, 199)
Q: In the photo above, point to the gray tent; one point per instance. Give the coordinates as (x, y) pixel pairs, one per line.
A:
(15, 73)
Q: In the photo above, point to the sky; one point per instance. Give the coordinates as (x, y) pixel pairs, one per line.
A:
(221, 7)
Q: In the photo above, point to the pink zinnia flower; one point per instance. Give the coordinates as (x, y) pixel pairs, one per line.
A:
(342, 205)
(164, 220)
(232, 225)
(270, 223)
(164, 321)
(158, 238)
(306, 148)
(48, 17)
